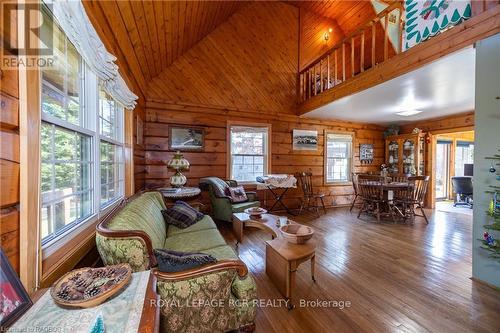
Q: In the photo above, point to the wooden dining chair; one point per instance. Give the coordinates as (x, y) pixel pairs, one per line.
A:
(402, 201)
(372, 193)
(399, 177)
(305, 183)
(419, 191)
(354, 178)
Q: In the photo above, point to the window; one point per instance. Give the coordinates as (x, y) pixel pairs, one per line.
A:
(464, 154)
(338, 157)
(81, 143)
(111, 161)
(249, 152)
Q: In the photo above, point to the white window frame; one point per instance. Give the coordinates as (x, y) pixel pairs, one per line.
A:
(267, 149)
(89, 108)
(343, 137)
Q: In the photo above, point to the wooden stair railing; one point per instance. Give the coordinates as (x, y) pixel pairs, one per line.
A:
(332, 68)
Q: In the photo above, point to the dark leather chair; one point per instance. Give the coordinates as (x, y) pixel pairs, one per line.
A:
(462, 187)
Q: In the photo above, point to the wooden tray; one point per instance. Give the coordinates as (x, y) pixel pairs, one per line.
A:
(105, 275)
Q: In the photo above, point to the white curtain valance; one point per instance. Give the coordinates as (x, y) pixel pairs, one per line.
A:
(73, 19)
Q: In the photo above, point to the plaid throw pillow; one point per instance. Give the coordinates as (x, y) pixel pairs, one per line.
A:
(181, 215)
(173, 261)
(237, 194)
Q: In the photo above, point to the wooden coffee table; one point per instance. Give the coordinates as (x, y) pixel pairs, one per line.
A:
(282, 257)
(267, 223)
(283, 260)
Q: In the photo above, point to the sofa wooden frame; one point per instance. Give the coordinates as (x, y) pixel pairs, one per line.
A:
(222, 265)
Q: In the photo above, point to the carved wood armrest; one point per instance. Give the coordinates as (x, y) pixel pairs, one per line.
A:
(123, 234)
(219, 266)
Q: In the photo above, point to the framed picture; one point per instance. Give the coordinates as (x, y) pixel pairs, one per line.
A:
(305, 140)
(366, 153)
(187, 138)
(14, 299)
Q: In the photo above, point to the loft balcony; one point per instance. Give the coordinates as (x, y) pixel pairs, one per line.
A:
(373, 54)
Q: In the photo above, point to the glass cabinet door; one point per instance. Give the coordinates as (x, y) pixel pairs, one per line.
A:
(393, 159)
(409, 166)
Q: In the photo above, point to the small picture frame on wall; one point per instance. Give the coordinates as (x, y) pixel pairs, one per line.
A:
(186, 138)
(14, 301)
(305, 140)
(366, 153)
(140, 133)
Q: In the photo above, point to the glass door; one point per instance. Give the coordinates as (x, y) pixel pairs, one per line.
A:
(409, 157)
(393, 159)
(443, 149)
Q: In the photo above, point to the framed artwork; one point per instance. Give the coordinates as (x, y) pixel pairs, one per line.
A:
(366, 153)
(14, 300)
(140, 129)
(305, 140)
(186, 138)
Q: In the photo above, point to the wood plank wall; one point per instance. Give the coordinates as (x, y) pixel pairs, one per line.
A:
(212, 162)
(9, 164)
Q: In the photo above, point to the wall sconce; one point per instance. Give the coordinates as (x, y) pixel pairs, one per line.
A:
(326, 36)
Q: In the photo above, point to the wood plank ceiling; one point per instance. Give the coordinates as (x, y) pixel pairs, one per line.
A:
(350, 15)
(156, 33)
(153, 34)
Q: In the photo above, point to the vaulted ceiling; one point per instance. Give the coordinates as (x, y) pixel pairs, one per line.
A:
(349, 15)
(156, 33)
(149, 36)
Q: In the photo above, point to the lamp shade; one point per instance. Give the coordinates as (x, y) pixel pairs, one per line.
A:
(178, 162)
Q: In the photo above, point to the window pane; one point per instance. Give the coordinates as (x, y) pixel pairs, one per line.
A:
(61, 82)
(108, 112)
(248, 151)
(65, 179)
(111, 175)
(338, 157)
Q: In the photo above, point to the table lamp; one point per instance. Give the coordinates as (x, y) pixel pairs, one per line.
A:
(178, 163)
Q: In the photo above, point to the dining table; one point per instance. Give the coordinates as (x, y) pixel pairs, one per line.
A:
(388, 189)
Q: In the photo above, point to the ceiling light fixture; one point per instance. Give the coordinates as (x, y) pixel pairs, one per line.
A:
(326, 35)
(408, 113)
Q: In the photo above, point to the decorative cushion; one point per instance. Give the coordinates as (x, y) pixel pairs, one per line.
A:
(237, 194)
(181, 215)
(174, 261)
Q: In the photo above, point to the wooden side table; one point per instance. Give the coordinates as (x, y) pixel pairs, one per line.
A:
(181, 193)
(282, 261)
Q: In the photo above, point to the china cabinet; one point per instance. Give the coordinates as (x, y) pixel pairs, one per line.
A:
(405, 153)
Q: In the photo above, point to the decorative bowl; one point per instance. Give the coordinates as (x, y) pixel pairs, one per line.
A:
(88, 287)
(255, 212)
(296, 233)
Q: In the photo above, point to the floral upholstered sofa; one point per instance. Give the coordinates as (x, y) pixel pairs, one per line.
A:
(137, 227)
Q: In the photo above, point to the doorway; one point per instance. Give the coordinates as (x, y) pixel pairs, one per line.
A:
(443, 152)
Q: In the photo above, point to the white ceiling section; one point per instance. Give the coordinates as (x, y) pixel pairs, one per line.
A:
(441, 88)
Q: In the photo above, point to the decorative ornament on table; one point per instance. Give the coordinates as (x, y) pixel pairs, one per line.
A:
(416, 130)
(178, 163)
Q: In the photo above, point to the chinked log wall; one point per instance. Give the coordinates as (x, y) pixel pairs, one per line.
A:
(9, 165)
(212, 161)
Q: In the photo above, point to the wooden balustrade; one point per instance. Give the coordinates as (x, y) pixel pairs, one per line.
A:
(349, 57)
(362, 50)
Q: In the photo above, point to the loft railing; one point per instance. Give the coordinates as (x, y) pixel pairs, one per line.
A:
(349, 57)
(363, 49)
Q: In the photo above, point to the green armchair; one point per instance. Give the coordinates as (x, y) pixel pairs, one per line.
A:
(222, 207)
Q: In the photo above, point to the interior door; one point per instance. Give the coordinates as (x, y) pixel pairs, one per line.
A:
(443, 151)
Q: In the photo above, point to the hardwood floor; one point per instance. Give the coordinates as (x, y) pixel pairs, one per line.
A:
(398, 278)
